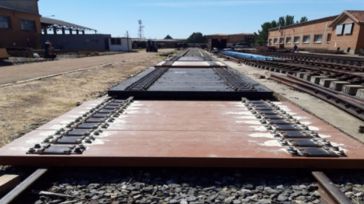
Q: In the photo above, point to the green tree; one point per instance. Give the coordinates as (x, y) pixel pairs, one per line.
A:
(196, 37)
(168, 37)
(289, 20)
(262, 36)
(303, 19)
(281, 21)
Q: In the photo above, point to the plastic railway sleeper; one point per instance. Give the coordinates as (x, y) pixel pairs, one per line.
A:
(83, 130)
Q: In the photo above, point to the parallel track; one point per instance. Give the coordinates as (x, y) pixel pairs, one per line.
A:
(350, 104)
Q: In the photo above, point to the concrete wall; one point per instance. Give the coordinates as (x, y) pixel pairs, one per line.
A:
(30, 6)
(74, 43)
(14, 37)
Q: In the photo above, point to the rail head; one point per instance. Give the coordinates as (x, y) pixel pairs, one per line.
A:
(329, 192)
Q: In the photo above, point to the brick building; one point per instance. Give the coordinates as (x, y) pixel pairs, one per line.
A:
(344, 32)
(221, 41)
(19, 24)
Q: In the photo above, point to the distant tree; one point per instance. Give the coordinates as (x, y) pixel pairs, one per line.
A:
(281, 21)
(261, 37)
(168, 37)
(303, 19)
(289, 20)
(196, 37)
(274, 24)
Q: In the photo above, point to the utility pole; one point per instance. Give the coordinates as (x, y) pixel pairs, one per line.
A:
(141, 29)
(127, 40)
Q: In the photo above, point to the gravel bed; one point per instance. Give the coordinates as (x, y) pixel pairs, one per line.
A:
(351, 183)
(179, 186)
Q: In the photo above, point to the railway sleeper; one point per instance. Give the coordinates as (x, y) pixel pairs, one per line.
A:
(83, 130)
(297, 137)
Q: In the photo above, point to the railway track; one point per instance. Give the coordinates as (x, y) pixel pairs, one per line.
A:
(323, 82)
(188, 111)
(176, 185)
(329, 60)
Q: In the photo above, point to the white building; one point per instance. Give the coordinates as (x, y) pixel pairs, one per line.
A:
(120, 44)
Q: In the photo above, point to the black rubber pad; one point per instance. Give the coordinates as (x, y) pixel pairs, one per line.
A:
(304, 143)
(286, 127)
(88, 125)
(316, 152)
(106, 110)
(58, 149)
(69, 140)
(95, 120)
(79, 132)
(295, 134)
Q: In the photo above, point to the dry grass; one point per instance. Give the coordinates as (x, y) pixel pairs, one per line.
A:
(27, 106)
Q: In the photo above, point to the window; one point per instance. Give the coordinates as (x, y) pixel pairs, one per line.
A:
(296, 39)
(4, 22)
(339, 29)
(27, 25)
(317, 38)
(328, 39)
(348, 29)
(270, 42)
(281, 40)
(275, 40)
(288, 40)
(306, 39)
(115, 41)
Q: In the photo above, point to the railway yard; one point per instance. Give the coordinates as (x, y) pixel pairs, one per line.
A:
(194, 127)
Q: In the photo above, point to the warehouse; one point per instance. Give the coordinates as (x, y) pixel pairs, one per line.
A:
(342, 33)
(19, 24)
(222, 41)
(70, 37)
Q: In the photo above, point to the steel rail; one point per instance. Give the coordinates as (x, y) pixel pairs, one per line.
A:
(145, 82)
(330, 194)
(351, 107)
(20, 188)
(295, 67)
(339, 94)
(340, 60)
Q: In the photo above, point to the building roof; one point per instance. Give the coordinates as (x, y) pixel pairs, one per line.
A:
(356, 15)
(330, 18)
(226, 35)
(18, 10)
(62, 24)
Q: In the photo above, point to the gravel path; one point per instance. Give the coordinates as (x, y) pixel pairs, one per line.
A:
(180, 186)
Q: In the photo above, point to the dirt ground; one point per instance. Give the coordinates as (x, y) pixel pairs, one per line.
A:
(10, 74)
(334, 116)
(25, 106)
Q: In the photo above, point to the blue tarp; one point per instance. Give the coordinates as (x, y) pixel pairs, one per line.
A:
(242, 55)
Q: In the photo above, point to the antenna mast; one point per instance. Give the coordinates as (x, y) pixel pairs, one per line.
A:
(141, 29)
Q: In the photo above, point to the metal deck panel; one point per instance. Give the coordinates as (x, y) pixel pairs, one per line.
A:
(187, 83)
(188, 133)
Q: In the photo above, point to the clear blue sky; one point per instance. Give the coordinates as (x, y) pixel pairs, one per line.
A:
(181, 18)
